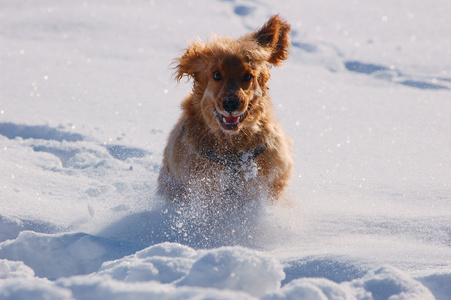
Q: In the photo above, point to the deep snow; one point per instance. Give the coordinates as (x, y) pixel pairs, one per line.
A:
(87, 102)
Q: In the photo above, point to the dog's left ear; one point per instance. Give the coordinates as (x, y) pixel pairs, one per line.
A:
(190, 63)
(274, 35)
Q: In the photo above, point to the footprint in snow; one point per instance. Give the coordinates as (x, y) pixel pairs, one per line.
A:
(243, 10)
(390, 74)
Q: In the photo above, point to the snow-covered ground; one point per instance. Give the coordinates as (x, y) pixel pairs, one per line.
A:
(87, 102)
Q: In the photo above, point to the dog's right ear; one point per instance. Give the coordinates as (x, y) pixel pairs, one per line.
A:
(190, 63)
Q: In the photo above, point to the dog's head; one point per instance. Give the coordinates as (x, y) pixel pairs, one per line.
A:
(230, 75)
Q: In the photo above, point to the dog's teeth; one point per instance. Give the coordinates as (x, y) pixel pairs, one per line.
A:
(230, 120)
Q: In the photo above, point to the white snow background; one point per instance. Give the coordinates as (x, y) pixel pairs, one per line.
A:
(86, 105)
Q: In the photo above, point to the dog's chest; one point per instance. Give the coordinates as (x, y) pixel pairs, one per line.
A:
(232, 180)
(243, 171)
(232, 169)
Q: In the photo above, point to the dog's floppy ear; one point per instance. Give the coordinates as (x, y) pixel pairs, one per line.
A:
(190, 63)
(274, 35)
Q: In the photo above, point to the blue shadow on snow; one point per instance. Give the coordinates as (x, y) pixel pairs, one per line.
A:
(42, 132)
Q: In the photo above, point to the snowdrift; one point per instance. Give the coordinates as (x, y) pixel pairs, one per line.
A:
(174, 271)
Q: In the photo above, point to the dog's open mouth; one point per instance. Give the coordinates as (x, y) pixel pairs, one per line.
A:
(229, 122)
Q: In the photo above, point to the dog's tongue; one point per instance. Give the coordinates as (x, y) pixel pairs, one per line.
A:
(231, 120)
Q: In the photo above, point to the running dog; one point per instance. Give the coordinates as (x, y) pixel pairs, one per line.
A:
(227, 147)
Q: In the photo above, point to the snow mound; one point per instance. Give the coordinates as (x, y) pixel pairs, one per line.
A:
(165, 263)
(389, 283)
(235, 268)
(438, 284)
(311, 288)
(14, 269)
(382, 283)
(56, 255)
(17, 281)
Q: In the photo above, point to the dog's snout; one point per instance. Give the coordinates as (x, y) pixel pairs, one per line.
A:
(230, 104)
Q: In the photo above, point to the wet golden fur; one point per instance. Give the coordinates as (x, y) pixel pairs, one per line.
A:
(237, 69)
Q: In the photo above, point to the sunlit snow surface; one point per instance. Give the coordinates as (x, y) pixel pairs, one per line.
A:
(86, 105)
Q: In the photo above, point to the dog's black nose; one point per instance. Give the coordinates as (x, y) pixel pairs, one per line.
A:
(230, 104)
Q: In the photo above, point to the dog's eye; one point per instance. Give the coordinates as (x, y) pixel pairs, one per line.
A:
(217, 76)
(248, 76)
